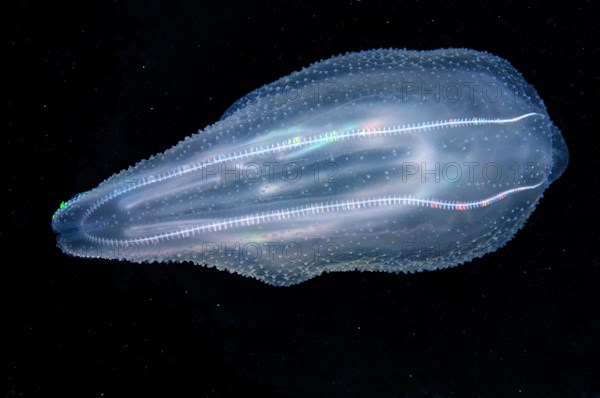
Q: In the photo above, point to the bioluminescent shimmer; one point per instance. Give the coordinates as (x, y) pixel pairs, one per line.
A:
(383, 160)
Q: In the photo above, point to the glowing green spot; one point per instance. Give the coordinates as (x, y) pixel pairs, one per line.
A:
(62, 205)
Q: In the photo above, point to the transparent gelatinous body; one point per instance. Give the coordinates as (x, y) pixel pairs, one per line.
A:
(383, 160)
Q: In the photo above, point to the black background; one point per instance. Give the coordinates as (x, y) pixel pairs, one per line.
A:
(94, 87)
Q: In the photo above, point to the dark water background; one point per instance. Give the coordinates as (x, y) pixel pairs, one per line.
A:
(93, 87)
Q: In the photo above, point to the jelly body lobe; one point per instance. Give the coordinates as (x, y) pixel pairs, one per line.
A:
(386, 160)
